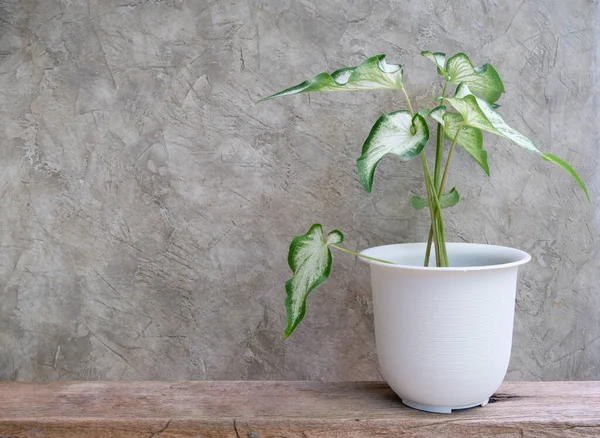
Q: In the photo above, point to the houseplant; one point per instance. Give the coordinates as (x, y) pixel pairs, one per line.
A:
(443, 332)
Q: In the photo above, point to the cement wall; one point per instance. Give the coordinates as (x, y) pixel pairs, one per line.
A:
(148, 202)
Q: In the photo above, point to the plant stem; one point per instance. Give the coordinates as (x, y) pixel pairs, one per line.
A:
(360, 255)
(412, 113)
(439, 156)
(448, 159)
(439, 147)
(444, 92)
(432, 210)
(428, 250)
(437, 221)
(441, 191)
(440, 237)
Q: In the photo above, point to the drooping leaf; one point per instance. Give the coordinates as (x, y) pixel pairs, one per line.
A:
(471, 112)
(469, 138)
(566, 166)
(310, 260)
(395, 133)
(497, 121)
(503, 129)
(483, 80)
(439, 59)
(447, 200)
(372, 74)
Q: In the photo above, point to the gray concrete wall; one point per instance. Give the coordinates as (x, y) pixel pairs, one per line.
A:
(147, 203)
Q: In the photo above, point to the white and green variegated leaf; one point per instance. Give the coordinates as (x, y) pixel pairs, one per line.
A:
(447, 200)
(469, 138)
(503, 129)
(395, 133)
(497, 121)
(423, 112)
(372, 74)
(471, 112)
(310, 261)
(483, 80)
(439, 59)
(437, 114)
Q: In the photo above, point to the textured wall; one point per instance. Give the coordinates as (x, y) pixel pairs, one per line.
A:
(148, 202)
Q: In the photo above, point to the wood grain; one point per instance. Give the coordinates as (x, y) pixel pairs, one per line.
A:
(285, 410)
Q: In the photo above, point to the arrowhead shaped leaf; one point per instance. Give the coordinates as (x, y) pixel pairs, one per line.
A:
(439, 59)
(447, 200)
(472, 113)
(482, 80)
(502, 128)
(395, 133)
(310, 260)
(469, 138)
(372, 74)
(497, 121)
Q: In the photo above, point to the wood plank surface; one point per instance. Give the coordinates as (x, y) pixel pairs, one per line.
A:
(286, 410)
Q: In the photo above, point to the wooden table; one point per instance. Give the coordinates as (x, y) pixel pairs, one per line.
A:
(285, 410)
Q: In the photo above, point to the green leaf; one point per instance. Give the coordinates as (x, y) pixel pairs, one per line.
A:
(439, 59)
(438, 114)
(497, 121)
(566, 166)
(395, 133)
(423, 112)
(372, 74)
(469, 138)
(502, 128)
(471, 112)
(447, 200)
(483, 80)
(310, 261)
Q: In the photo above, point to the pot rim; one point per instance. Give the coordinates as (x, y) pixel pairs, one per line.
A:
(520, 257)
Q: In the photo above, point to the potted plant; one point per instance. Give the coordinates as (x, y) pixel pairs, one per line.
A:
(443, 311)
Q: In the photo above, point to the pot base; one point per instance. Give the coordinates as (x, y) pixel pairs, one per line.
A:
(440, 409)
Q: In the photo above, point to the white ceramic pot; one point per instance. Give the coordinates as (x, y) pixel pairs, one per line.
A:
(444, 335)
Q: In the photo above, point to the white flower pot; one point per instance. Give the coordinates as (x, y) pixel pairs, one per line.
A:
(444, 335)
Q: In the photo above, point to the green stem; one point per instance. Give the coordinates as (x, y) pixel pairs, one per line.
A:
(360, 255)
(429, 240)
(437, 221)
(439, 156)
(442, 243)
(412, 113)
(440, 192)
(440, 237)
(448, 159)
(444, 92)
(438, 255)
(428, 250)
(432, 211)
(439, 147)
